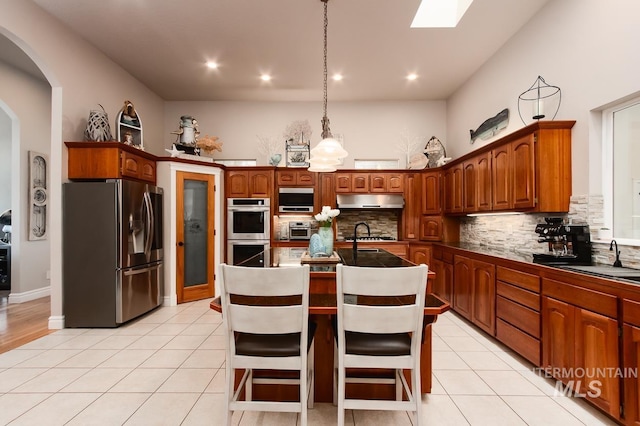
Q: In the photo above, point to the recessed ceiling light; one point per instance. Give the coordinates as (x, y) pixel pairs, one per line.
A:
(412, 76)
(337, 77)
(212, 64)
(265, 77)
(440, 13)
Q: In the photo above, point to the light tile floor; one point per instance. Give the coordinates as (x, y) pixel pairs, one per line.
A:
(167, 369)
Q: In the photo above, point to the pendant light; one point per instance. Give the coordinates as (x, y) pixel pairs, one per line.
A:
(328, 153)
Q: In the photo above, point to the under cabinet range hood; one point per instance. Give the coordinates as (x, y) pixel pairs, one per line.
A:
(370, 201)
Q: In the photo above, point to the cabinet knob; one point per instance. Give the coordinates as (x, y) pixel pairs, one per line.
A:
(180, 243)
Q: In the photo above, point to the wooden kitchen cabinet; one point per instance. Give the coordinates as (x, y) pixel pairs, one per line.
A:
(518, 319)
(359, 182)
(365, 182)
(411, 211)
(474, 292)
(476, 185)
(430, 228)
(327, 191)
(523, 173)
(420, 253)
(469, 186)
(501, 177)
(483, 181)
(483, 308)
(352, 182)
(453, 196)
(631, 360)
(290, 177)
(244, 183)
(109, 160)
(462, 286)
(580, 337)
(528, 170)
(386, 182)
(443, 283)
(430, 193)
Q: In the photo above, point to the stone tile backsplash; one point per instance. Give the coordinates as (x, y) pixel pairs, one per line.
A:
(382, 222)
(516, 232)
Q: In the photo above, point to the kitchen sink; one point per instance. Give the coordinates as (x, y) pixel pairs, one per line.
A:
(607, 271)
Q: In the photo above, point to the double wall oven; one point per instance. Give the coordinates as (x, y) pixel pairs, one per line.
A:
(248, 231)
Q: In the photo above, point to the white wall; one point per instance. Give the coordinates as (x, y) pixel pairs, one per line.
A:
(589, 48)
(371, 130)
(81, 77)
(5, 156)
(30, 100)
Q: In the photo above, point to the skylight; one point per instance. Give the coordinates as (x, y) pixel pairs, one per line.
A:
(440, 13)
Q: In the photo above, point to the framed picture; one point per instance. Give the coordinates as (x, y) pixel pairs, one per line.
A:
(297, 154)
(38, 195)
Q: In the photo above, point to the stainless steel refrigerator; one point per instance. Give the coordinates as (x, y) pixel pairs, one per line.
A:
(112, 251)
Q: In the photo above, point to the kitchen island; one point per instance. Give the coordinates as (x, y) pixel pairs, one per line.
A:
(322, 306)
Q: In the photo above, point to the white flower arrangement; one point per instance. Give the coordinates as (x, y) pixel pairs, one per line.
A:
(325, 217)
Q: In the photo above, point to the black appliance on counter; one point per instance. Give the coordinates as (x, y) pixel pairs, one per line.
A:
(568, 244)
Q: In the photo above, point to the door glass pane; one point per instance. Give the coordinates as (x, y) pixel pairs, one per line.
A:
(195, 232)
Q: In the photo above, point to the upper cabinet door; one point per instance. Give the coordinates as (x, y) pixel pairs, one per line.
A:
(470, 186)
(483, 176)
(260, 183)
(523, 169)
(343, 182)
(501, 177)
(431, 193)
(378, 183)
(360, 182)
(237, 183)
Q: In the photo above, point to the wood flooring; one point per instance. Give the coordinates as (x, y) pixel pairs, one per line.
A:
(21, 323)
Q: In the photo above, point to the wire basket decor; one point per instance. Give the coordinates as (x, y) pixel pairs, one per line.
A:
(98, 128)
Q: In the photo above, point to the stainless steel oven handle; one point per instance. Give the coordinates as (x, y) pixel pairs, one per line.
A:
(140, 271)
(248, 209)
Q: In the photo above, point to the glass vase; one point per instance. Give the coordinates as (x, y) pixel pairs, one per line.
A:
(326, 235)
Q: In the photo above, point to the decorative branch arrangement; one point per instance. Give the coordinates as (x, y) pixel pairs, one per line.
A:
(299, 132)
(409, 145)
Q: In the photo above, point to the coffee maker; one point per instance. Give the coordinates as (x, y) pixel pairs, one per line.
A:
(568, 244)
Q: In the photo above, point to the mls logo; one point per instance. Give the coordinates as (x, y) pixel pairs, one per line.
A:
(573, 388)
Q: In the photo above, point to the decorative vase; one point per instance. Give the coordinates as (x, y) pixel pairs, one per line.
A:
(316, 246)
(98, 129)
(326, 235)
(275, 159)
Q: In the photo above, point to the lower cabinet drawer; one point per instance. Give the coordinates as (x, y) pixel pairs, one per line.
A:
(519, 316)
(523, 344)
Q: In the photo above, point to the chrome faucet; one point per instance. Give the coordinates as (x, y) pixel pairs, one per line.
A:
(617, 263)
(355, 235)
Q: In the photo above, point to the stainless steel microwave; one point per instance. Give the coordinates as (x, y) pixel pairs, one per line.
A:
(295, 200)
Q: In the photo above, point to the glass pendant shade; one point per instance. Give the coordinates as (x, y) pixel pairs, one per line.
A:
(323, 164)
(329, 148)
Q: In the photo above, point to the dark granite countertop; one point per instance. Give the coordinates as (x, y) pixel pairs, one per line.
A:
(374, 258)
(518, 256)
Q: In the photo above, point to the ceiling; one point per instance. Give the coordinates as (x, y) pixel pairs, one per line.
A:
(165, 44)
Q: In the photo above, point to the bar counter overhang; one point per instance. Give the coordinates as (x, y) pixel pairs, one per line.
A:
(322, 306)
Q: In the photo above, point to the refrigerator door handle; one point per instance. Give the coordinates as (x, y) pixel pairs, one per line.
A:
(130, 272)
(149, 223)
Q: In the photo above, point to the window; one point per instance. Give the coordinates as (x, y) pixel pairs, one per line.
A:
(621, 171)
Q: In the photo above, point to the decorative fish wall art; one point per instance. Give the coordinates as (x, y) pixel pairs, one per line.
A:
(491, 126)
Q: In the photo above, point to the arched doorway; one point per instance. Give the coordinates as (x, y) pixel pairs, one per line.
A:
(31, 276)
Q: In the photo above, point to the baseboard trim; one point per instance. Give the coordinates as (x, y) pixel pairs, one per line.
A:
(56, 322)
(30, 295)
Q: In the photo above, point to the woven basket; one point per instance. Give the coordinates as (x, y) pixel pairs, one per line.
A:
(98, 126)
